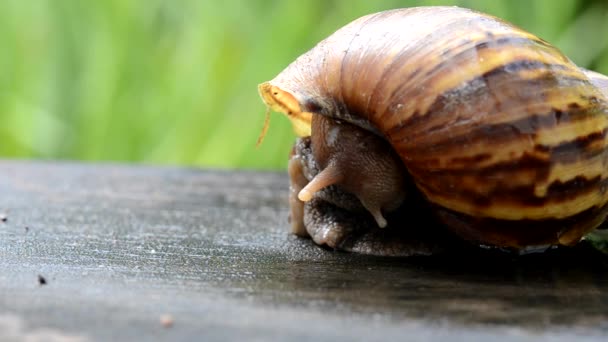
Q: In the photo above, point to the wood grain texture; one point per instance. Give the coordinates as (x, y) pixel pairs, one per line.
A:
(122, 246)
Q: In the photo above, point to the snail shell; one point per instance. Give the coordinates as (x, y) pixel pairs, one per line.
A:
(501, 133)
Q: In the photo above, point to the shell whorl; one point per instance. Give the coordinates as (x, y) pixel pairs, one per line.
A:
(490, 120)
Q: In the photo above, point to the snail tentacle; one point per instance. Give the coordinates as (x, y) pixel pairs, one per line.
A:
(329, 176)
(296, 206)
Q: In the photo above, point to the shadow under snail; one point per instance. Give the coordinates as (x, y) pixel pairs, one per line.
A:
(425, 126)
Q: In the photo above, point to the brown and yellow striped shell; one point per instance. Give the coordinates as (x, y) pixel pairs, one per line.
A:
(499, 130)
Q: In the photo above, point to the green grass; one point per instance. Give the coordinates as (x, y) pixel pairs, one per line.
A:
(174, 82)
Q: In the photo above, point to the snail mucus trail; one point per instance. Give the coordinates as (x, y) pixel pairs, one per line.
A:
(499, 132)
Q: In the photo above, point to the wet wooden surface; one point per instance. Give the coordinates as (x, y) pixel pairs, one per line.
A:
(120, 247)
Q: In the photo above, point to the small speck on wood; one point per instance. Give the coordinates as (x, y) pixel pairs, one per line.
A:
(41, 280)
(166, 321)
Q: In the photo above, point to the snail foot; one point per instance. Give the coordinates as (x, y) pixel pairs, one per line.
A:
(329, 225)
(345, 230)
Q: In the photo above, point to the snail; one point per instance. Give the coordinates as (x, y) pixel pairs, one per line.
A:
(442, 123)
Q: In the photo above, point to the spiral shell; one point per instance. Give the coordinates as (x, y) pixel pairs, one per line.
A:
(501, 132)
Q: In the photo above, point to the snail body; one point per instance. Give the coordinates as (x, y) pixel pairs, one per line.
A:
(496, 130)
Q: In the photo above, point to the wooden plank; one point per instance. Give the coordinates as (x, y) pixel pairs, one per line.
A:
(123, 247)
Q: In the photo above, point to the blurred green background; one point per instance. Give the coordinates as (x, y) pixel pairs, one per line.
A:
(174, 82)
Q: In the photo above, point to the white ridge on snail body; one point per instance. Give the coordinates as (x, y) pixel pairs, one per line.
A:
(499, 134)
